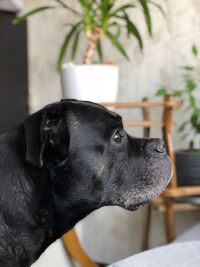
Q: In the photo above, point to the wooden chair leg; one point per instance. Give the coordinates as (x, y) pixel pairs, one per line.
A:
(146, 229)
(75, 250)
(169, 221)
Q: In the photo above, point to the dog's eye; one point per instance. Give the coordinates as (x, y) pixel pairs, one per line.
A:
(117, 138)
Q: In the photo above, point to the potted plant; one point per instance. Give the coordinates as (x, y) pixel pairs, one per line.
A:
(96, 20)
(188, 160)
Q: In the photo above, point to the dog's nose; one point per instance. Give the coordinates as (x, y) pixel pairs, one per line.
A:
(155, 145)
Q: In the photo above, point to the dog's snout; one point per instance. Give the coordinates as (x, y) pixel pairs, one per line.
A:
(160, 147)
(155, 145)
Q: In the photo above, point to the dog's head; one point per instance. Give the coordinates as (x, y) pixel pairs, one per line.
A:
(91, 157)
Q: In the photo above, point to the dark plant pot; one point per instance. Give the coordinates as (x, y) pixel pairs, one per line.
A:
(188, 167)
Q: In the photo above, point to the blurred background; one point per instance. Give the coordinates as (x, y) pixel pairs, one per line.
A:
(29, 80)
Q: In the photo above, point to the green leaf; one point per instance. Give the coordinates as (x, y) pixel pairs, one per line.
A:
(133, 30)
(192, 101)
(75, 45)
(177, 93)
(122, 8)
(88, 18)
(18, 20)
(197, 110)
(195, 121)
(65, 45)
(190, 85)
(147, 16)
(194, 50)
(188, 68)
(161, 92)
(107, 5)
(99, 51)
(158, 7)
(117, 44)
(182, 126)
(67, 7)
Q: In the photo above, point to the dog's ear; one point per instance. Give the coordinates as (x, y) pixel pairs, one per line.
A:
(46, 133)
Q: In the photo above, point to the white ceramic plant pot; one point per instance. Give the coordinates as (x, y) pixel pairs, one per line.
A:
(11, 5)
(97, 83)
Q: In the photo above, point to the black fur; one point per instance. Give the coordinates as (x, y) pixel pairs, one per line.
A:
(64, 162)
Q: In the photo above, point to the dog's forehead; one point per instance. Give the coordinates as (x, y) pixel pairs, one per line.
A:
(89, 110)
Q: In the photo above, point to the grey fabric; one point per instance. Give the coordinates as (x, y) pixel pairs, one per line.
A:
(191, 234)
(183, 254)
(11, 5)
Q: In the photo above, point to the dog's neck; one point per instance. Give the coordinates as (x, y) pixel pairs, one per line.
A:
(62, 211)
(69, 205)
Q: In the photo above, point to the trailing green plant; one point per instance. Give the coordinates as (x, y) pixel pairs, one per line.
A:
(98, 19)
(190, 93)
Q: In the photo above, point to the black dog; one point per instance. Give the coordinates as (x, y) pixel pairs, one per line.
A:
(64, 162)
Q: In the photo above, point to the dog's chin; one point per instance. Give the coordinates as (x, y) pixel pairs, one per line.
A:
(148, 188)
(135, 207)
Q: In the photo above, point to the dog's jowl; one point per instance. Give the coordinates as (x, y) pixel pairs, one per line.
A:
(63, 162)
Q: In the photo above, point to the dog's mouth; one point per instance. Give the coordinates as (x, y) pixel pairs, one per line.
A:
(136, 207)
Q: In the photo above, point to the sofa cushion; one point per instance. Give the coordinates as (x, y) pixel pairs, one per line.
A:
(192, 234)
(181, 254)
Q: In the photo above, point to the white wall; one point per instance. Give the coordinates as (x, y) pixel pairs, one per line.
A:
(117, 233)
